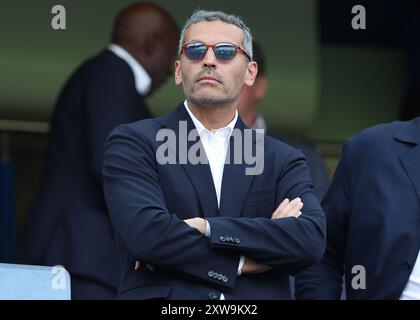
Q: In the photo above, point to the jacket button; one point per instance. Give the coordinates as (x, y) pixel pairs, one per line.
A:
(210, 274)
(223, 239)
(219, 276)
(237, 241)
(225, 279)
(407, 266)
(216, 275)
(213, 296)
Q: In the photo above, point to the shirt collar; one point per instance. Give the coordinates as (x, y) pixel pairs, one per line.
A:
(142, 80)
(225, 131)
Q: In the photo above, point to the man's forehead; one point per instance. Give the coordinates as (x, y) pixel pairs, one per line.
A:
(211, 32)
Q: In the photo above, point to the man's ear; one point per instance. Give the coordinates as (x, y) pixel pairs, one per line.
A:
(178, 73)
(260, 87)
(251, 73)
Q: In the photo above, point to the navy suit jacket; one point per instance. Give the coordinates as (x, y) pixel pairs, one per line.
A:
(69, 223)
(147, 202)
(373, 216)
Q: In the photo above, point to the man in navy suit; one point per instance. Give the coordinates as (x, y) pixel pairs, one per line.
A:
(69, 223)
(373, 219)
(222, 227)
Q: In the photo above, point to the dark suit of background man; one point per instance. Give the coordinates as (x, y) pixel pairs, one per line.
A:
(247, 105)
(373, 219)
(69, 224)
(209, 230)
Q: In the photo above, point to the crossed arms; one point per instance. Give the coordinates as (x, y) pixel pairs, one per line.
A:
(154, 236)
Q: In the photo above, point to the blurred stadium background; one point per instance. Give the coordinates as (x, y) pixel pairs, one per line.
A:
(327, 81)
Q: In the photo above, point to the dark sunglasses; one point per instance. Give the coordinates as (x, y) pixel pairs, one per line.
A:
(222, 51)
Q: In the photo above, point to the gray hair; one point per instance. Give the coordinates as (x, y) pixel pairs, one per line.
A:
(204, 15)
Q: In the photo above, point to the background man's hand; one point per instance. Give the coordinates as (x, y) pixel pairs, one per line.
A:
(148, 266)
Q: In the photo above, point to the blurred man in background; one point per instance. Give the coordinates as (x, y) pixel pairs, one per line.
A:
(248, 100)
(69, 223)
(373, 219)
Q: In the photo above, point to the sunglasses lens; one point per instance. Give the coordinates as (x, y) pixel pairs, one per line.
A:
(225, 52)
(195, 51)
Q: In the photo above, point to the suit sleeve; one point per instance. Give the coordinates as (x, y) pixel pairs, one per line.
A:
(324, 280)
(288, 243)
(138, 213)
(109, 100)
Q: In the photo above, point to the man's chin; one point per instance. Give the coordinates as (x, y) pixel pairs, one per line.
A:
(209, 101)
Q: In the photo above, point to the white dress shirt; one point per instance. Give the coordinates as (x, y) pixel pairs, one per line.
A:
(215, 145)
(142, 80)
(412, 289)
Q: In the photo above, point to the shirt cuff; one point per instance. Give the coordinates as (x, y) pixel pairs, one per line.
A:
(208, 231)
(241, 264)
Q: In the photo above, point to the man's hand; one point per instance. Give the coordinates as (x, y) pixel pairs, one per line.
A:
(197, 223)
(285, 209)
(288, 209)
(250, 266)
(148, 266)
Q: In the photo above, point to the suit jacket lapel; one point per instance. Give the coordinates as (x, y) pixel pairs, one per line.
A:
(199, 174)
(202, 180)
(236, 182)
(411, 163)
(410, 160)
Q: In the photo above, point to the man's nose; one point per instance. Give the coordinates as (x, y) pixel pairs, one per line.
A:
(209, 60)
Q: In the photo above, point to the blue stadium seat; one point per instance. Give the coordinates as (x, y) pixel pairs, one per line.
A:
(25, 282)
